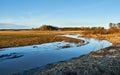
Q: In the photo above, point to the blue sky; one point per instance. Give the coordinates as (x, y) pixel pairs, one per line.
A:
(61, 13)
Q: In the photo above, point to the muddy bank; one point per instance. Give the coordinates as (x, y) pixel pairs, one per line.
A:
(101, 62)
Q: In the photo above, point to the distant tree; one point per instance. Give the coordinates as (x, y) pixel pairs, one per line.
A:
(48, 27)
(114, 27)
(111, 25)
(118, 25)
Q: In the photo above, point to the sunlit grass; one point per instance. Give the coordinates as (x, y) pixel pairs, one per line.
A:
(24, 38)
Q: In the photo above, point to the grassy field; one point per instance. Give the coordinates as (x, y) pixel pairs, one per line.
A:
(29, 37)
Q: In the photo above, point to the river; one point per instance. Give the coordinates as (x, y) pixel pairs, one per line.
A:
(19, 59)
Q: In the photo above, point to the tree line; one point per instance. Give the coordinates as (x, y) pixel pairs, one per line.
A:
(113, 27)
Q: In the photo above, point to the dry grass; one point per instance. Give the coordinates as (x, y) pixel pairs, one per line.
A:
(30, 37)
(24, 38)
(114, 38)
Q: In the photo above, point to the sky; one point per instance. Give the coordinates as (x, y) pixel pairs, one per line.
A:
(61, 13)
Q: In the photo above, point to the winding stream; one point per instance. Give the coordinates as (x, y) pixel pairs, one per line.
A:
(18, 59)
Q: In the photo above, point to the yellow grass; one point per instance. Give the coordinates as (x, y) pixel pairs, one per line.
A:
(114, 38)
(30, 37)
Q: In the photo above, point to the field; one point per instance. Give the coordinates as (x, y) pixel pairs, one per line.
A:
(25, 38)
(33, 37)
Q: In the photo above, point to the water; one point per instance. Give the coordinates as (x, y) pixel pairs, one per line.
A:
(18, 59)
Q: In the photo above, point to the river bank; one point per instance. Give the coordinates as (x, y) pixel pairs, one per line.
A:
(102, 62)
(32, 57)
(105, 61)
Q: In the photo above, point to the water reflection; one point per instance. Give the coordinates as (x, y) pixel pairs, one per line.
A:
(29, 57)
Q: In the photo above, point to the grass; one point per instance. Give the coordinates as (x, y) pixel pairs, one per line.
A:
(29, 37)
(114, 38)
(32, 37)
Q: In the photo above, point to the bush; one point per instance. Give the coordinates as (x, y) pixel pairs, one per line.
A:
(48, 27)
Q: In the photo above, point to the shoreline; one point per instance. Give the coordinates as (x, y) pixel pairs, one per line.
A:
(101, 62)
(98, 62)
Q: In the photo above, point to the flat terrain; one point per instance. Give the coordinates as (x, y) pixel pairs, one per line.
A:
(25, 38)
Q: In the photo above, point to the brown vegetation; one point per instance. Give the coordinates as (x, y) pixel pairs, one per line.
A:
(24, 38)
(46, 28)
